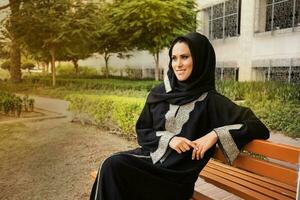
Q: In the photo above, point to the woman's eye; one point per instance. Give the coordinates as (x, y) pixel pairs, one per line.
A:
(174, 58)
(185, 57)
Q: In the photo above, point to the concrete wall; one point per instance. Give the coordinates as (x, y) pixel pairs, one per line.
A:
(253, 44)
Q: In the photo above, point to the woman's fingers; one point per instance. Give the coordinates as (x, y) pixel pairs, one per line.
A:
(181, 148)
(186, 146)
(178, 150)
(194, 153)
(198, 152)
(190, 143)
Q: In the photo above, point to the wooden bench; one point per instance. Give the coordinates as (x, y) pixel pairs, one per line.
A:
(272, 173)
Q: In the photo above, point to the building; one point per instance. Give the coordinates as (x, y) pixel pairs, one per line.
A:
(254, 39)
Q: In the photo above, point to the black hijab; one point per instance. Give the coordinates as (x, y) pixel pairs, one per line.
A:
(202, 78)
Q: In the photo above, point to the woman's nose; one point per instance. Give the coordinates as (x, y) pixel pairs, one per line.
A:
(179, 63)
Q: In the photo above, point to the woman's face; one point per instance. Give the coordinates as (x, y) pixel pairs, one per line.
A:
(182, 62)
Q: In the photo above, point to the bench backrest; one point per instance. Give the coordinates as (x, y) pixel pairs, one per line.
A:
(276, 161)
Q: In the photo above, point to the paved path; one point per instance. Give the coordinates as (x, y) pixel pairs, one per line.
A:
(51, 104)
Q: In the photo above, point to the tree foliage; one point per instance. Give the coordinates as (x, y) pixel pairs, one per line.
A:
(152, 24)
(109, 40)
(5, 65)
(27, 65)
(56, 29)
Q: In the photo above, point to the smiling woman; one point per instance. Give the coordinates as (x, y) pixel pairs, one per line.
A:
(180, 124)
(182, 61)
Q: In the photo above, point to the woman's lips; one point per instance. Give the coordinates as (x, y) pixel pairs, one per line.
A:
(180, 71)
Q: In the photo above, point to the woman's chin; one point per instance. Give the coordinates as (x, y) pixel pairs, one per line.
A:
(181, 78)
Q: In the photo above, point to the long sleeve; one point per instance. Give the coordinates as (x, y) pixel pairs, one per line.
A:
(154, 141)
(146, 135)
(235, 126)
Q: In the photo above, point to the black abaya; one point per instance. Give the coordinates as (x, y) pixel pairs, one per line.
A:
(144, 174)
(190, 109)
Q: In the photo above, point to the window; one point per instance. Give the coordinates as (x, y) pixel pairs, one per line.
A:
(227, 71)
(223, 20)
(277, 14)
(279, 71)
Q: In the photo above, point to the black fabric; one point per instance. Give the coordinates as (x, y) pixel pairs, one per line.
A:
(132, 175)
(201, 80)
(133, 178)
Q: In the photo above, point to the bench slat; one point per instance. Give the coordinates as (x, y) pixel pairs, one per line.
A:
(264, 168)
(246, 176)
(233, 187)
(272, 150)
(249, 185)
(255, 176)
(270, 170)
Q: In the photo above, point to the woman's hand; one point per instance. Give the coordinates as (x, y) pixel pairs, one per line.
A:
(181, 144)
(203, 144)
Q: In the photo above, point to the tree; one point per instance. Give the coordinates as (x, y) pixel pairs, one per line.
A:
(5, 44)
(152, 24)
(82, 33)
(108, 40)
(54, 28)
(42, 27)
(15, 52)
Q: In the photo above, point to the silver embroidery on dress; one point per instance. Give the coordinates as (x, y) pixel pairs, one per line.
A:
(162, 146)
(176, 117)
(226, 142)
(167, 84)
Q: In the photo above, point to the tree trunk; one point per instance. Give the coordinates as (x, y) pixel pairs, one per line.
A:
(156, 58)
(47, 67)
(106, 58)
(52, 52)
(75, 63)
(15, 53)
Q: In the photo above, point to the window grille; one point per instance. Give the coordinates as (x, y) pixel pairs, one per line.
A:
(284, 70)
(277, 14)
(223, 19)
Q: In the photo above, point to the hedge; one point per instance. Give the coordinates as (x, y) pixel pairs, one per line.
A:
(259, 90)
(122, 112)
(107, 111)
(99, 84)
(232, 89)
(278, 115)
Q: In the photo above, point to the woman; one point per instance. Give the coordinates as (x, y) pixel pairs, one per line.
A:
(181, 122)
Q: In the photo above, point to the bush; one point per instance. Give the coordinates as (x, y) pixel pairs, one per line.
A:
(99, 84)
(134, 73)
(108, 111)
(65, 70)
(28, 65)
(4, 74)
(258, 90)
(5, 65)
(10, 104)
(278, 115)
(68, 70)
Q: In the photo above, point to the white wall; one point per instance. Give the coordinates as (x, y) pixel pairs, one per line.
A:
(251, 46)
(139, 59)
